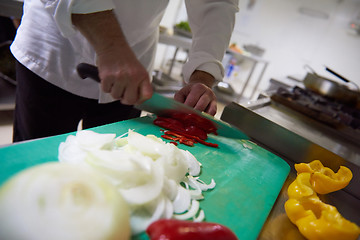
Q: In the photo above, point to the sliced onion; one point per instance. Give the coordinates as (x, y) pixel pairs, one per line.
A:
(147, 192)
(140, 218)
(70, 152)
(61, 201)
(146, 170)
(192, 211)
(193, 164)
(196, 194)
(169, 210)
(91, 140)
(246, 146)
(159, 208)
(174, 166)
(196, 183)
(200, 217)
(173, 160)
(170, 189)
(147, 145)
(74, 149)
(139, 180)
(182, 200)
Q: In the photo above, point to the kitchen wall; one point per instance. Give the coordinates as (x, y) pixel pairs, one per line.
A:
(299, 32)
(294, 33)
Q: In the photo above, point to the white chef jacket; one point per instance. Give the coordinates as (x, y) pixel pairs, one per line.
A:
(49, 45)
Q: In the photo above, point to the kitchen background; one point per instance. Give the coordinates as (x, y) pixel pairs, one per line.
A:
(275, 40)
(292, 34)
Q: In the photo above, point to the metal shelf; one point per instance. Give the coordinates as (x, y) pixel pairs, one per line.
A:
(256, 62)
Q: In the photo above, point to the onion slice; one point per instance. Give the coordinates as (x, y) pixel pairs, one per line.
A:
(61, 201)
(192, 211)
(196, 183)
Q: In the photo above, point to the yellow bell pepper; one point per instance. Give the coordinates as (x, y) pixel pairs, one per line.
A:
(323, 179)
(315, 219)
(301, 187)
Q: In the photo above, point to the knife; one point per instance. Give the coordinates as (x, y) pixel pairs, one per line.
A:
(161, 105)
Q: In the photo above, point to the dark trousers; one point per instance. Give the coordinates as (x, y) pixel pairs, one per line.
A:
(43, 109)
(7, 29)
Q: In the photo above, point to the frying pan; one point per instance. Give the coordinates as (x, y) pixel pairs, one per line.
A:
(330, 88)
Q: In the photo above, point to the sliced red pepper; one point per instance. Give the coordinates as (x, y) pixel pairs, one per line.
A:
(195, 131)
(173, 134)
(186, 125)
(187, 141)
(176, 137)
(196, 138)
(172, 229)
(170, 137)
(209, 144)
(169, 123)
(192, 119)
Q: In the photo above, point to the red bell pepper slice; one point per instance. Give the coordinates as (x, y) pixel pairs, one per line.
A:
(172, 229)
(195, 131)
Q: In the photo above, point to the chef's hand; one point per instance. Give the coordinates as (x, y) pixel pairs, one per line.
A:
(121, 74)
(198, 94)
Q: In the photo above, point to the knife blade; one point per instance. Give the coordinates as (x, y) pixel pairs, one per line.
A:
(162, 106)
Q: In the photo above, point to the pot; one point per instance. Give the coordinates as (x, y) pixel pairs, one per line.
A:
(330, 88)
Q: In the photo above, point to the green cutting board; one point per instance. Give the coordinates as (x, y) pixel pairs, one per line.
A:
(248, 178)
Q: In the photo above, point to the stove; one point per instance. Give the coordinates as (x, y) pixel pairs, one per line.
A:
(343, 119)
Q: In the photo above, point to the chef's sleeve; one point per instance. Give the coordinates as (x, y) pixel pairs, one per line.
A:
(63, 9)
(211, 23)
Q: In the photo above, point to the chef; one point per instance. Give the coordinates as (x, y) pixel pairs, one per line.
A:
(120, 37)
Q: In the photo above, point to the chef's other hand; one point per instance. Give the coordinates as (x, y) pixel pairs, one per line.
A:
(123, 76)
(198, 94)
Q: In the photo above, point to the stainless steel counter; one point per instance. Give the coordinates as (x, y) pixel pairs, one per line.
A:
(296, 139)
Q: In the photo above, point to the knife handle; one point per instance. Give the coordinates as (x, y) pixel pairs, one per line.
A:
(86, 70)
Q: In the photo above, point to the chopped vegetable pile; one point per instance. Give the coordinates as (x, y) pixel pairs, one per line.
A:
(186, 128)
(149, 174)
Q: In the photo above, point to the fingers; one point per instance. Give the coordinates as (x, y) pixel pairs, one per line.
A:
(198, 96)
(180, 95)
(212, 108)
(117, 89)
(146, 91)
(136, 94)
(207, 103)
(130, 87)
